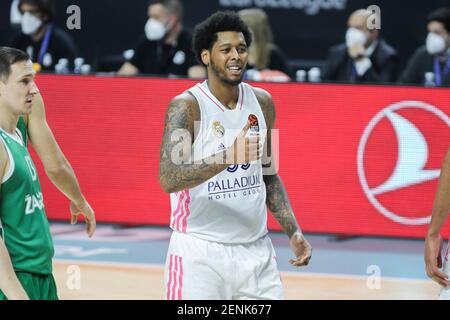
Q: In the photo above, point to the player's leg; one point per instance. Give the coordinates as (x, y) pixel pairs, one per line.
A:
(259, 277)
(38, 287)
(47, 286)
(194, 270)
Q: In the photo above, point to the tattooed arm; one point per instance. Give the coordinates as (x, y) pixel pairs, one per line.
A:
(176, 172)
(276, 196)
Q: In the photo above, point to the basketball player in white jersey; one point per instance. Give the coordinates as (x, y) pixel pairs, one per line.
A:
(433, 241)
(219, 192)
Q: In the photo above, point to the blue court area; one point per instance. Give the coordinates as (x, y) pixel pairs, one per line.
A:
(358, 256)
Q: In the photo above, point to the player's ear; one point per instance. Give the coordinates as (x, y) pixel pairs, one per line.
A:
(205, 55)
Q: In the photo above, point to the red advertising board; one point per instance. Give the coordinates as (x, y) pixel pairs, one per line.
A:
(358, 160)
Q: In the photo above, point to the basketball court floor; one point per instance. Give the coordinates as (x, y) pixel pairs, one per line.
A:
(127, 263)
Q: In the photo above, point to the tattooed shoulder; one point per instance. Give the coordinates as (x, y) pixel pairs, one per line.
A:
(182, 112)
(267, 106)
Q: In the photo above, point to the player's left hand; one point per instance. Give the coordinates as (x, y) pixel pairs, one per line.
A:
(84, 209)
(301, 248)
(433, 259)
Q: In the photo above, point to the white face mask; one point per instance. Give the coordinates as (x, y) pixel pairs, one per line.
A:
(155, 30)
(15, 16)
(30, 23)
(435, 43)
(355, 36)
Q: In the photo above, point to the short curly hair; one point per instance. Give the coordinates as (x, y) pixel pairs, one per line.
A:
(205, 33)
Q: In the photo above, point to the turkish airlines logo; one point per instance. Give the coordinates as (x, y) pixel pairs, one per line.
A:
(399, 157)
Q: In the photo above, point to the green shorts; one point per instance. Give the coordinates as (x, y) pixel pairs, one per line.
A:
(37, 286)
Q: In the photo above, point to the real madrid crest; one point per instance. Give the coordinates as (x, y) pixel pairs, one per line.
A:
(218, 129)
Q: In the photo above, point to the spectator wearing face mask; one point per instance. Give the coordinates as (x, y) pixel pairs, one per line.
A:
(15, 17)
(430, 64)
(364, 57)
(165, 49)
(40, 38)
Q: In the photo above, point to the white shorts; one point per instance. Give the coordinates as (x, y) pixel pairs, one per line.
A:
(197, 269)
(445, 292)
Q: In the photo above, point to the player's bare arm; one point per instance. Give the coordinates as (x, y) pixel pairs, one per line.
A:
(276, 196)
(181, 115)
(9, 283)
(433, 240)
(56, 165)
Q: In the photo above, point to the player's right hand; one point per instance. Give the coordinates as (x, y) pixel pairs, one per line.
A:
(244, 149)
(433, 259)
(86, 210)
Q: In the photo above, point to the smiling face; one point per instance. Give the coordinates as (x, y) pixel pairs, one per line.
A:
(19, 90)
(227, 58)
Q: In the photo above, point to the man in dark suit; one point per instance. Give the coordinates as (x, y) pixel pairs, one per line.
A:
(364, 57)
(430, 64)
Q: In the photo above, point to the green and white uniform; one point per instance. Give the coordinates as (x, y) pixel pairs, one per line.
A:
(24, 226)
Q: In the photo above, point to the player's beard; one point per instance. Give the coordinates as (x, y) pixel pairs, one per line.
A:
(223, 78)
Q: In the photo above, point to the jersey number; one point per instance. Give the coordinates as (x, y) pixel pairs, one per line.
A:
(236, 167)
(31, 168)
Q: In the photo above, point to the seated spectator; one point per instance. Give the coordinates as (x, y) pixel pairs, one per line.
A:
(430, 64)
(364, 57)
(264, 55)
(165, 49)
(40, 38)
(15, 17)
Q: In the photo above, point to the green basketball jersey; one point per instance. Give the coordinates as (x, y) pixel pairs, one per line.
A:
(24, 226)
(21, 125)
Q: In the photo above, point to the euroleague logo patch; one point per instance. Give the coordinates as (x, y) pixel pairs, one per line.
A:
(254, 129)
(399, 158)
(254, 124)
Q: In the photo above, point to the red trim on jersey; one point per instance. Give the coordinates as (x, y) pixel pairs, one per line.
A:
(175, 283)
(186, 210)
(178, 212)
(211, 99)
(180, 279)
(169, 282)
(242, 98)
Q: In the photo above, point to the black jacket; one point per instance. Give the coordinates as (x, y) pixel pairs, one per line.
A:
(60, 46)
(420, 63)
(385, 62)
(157, 58)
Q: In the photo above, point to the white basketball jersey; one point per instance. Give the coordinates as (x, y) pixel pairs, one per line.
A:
(231, 206)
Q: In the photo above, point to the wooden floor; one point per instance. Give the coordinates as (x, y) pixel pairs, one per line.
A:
(110, 282)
